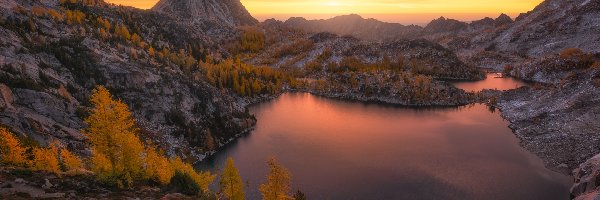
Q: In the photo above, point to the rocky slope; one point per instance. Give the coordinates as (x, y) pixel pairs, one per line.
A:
(558, 122)
(292, 49)
(229, 12)
(553, 26)
(48, 74)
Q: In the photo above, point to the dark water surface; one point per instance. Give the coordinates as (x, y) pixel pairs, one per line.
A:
(345, 150)
(492, 81)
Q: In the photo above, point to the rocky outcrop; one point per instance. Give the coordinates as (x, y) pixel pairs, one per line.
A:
(553, 26)
(587, 180)
(298, 50)
(551, 69)
(6, 98)
(557, 122)
(444, 25)
(503, 20)
(17, 183)
(229, 12)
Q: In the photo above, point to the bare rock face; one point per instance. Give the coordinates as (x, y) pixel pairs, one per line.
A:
(229, 12)
(6, 97)
(502, 20)
(552, 26)
(443, 24)
(558, 123)
(587, 180)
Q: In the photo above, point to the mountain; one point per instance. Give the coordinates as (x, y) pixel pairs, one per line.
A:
(374, 30)
(443, 24)
(47, 81)
(298, 49)
(356, 26)
(229, 12)
(553, 26)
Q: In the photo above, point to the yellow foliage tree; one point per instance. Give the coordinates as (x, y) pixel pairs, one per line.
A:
(231, 184)
(72, 163)
(277, 186)
(117, 150)
(136, 40)
(74, 17)
(55, 15)
(158, 167)
(11, 150)
(151, 52)
(203, 179)
(46, 159)
(122, 31)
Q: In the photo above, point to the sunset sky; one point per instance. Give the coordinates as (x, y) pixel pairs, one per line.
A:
(403, 11)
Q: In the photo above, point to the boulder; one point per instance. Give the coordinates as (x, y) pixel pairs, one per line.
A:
(587, 179)
(6, 97)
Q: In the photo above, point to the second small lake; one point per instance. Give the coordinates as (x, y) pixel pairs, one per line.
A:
(492, 81)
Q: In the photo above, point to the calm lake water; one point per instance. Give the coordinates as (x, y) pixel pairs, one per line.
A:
(492, 81)
(348, 150)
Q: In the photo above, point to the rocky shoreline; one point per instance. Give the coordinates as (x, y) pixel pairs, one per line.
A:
(558, 123)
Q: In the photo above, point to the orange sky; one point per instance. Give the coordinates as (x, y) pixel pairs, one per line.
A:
(403, 11)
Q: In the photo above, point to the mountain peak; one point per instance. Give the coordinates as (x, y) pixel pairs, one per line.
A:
(443, 24)
(503, 19)
(229, 12)
(350, 16)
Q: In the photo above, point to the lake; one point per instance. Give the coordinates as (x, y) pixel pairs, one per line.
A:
(347, 150)
(492, 81)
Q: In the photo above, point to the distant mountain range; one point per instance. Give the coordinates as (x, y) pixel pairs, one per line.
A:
(357, 26)
(551, 26)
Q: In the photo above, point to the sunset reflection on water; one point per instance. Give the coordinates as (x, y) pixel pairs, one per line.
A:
(347, 150)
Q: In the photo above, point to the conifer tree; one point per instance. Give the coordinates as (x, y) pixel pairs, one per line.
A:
(46, 159)
(71, 162)
(11, 150)
(117, 151)
(277, 186)
(231, 184)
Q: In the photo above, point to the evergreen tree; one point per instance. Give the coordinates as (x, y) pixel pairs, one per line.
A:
(11, 150)
(117, 151)
(277, 186)
(231, 184)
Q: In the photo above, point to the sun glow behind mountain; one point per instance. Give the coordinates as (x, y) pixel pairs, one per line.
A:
(403, 11)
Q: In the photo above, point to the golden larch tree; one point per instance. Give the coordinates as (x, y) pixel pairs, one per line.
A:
(231, 184)
(11, 150)
(202, 179)
(278, 182)
(117, 152)
(46, 159)
(158, 167)
(73, 165)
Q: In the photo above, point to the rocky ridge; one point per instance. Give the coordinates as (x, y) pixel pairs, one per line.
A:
(356, 26)
(229, 12)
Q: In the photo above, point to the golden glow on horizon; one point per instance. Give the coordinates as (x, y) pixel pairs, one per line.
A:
(387, 6)
(143, 4)
(262, 9)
